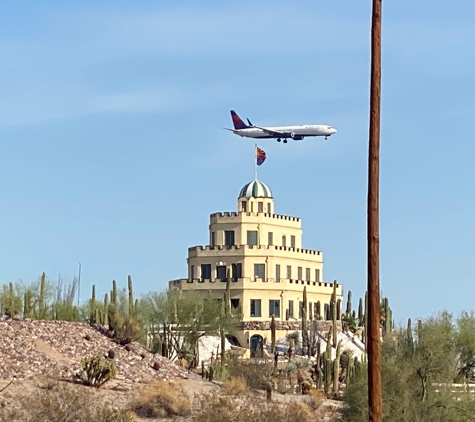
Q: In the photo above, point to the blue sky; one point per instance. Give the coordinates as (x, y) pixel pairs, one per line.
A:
(113, 153)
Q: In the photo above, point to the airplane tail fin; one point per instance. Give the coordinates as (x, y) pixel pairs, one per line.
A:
(237, 122)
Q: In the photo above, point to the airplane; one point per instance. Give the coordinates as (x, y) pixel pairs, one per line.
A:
(297, 133)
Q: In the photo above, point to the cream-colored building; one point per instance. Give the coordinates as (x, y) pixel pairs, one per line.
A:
(262, 253)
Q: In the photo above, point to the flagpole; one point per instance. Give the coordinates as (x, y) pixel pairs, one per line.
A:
(255, 161)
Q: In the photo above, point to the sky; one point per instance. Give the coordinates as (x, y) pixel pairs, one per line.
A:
(113, 153)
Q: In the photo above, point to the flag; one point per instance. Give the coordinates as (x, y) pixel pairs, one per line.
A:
(260, 156)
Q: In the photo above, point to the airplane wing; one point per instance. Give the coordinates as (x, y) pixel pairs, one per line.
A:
(271, 132)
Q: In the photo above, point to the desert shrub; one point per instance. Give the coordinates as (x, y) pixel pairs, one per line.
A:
(251, 409)
(234, 386)
(162, 399)
(62, 403)
(256, 375)
(315, 398)
(96, 370)
(126, 329)
(220, 373)
(115, 414)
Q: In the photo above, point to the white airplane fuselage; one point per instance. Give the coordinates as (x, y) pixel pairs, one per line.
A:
(294, 132)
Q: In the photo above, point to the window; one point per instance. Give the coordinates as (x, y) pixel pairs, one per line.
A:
(274, 308)
(255, 307)
(269, 209)
(205, 271)
(221, 272)
(291, 308)
(289, 272)
(292, 241)
(192, 272)
(252, 237)
(299, 273)
(270, 238)
(307, 274)
(236, 271)
(229, 238)
(235, 303)
(260, 207)
(284, 241)
(213, 238)
(260, 271)
(277, 272)
(317, 275)
(243, 206)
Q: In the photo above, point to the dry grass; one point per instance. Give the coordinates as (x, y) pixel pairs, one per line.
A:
(256, 375)
(234, 386)
(252, 409)
(315, 398)
(61, 403)
(162, 399)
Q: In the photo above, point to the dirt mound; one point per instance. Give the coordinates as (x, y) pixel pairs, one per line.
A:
(54, 348)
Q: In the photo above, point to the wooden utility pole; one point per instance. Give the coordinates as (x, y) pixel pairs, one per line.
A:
(373, 342)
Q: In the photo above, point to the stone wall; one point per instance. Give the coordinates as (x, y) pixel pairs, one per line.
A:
(285, 325)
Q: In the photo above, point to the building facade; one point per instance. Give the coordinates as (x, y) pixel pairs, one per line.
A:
(261, 252)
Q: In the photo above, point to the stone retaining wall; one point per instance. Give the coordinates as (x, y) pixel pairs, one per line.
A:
(285, 325)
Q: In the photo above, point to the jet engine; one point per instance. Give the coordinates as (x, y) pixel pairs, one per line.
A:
(296, 137)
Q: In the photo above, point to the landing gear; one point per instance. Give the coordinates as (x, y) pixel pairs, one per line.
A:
(285, 141)
(326, 137)
(278, 139)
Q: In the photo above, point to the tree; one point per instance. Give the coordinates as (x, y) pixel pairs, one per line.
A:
(10, 301)
(466, 345)
(419, 366)
(184, 318)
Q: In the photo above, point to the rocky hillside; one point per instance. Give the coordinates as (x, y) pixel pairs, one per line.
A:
(52, 348)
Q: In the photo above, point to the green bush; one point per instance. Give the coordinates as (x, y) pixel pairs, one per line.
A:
(96, 370)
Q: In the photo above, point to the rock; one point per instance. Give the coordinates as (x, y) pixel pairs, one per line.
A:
(59, 352)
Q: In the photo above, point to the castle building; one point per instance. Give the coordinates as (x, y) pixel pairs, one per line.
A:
(262, 253)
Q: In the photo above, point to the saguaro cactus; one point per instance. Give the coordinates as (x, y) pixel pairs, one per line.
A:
(227, 297)
(409, 339)
(92, 306)
(360, 311)
(106, 309)
(304, 321)
(272, 333)
(114, 293)
(41, 299)
(131, 296)
(112, 309)
(348, 303)
(329, 342)
(334, 312)
(336, 370)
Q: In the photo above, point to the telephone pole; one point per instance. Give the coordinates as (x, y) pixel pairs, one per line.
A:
(373, 339)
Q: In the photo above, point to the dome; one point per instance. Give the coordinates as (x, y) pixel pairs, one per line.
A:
(255, 189)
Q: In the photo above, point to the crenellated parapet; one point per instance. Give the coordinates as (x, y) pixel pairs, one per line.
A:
(199, 248)
(235, 216)
(252, 283)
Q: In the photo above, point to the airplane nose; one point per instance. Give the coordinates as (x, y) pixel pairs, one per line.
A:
(333, 130)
